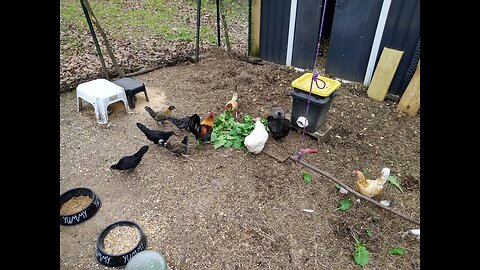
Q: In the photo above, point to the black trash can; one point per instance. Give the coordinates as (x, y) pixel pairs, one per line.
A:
(323, 93)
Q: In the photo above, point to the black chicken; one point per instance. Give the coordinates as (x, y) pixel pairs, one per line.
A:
(155, 135)
(177, 148)
(279, 127)
(130, 162)
(276, 111)
(191, 123)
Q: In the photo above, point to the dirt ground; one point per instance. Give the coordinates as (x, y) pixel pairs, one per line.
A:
(225, 209)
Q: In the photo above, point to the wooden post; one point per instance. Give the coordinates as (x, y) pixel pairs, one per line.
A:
(255, 29)
(410, 101)
(384, 72)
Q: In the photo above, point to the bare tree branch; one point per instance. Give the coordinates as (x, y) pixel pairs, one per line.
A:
(225, 27)
(104, 36)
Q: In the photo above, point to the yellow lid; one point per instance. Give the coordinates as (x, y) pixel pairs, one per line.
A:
(325, 90)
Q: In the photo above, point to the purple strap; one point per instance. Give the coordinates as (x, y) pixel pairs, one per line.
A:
(314, 78)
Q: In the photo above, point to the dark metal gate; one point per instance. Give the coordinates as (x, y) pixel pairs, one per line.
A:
(307, 26)
(353, 31)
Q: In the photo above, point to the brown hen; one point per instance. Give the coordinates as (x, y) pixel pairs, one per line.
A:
(371, 188)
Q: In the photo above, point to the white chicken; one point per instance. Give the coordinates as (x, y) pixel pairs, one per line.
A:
(256, 140)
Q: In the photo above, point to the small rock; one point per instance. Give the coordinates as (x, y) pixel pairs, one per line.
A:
(385, 203)
(415, 232)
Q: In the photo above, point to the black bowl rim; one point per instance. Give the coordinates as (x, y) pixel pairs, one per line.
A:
(107, 229)
(92, 205)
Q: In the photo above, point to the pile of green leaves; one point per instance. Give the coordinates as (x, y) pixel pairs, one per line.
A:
(229, 133)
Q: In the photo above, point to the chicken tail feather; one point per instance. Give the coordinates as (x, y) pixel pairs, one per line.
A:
(194, 124)
(174, 120)
(142, 151)
(150, 111)
(143, 128)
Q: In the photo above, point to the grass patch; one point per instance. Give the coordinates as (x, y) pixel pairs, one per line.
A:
(208, 34)
(234, 11)
(166, 19)
(72, 13)
(147, 17)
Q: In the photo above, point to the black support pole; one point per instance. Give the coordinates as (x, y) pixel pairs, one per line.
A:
(97, 46)
(199, 2)
(218, 22)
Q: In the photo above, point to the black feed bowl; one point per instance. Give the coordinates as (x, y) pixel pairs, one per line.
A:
(118, 260)
(84, 214)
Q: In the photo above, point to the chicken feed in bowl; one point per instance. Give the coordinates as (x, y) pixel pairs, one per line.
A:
(78, 205)
(75, 205)
(121, 239)
(119, 242)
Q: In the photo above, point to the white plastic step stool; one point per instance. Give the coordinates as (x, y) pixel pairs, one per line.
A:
(101, 93)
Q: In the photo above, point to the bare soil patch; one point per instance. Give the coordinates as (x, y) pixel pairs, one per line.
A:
(225, 209)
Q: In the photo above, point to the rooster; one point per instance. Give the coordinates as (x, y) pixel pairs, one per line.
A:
(256, 140)
(206, 128)
(191, 123)
(371, 188)
(177, 148)
(130, 162)
(232, 104)
(155, 135)
(160, 116)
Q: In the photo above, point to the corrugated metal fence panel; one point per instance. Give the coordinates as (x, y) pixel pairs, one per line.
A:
(353, 30)
(402, 32)
(307, 26)
(411, 69)
(275, 16)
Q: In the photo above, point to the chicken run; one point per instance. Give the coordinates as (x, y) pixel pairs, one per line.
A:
(208, 197)
(212, 168)
(210, 207)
